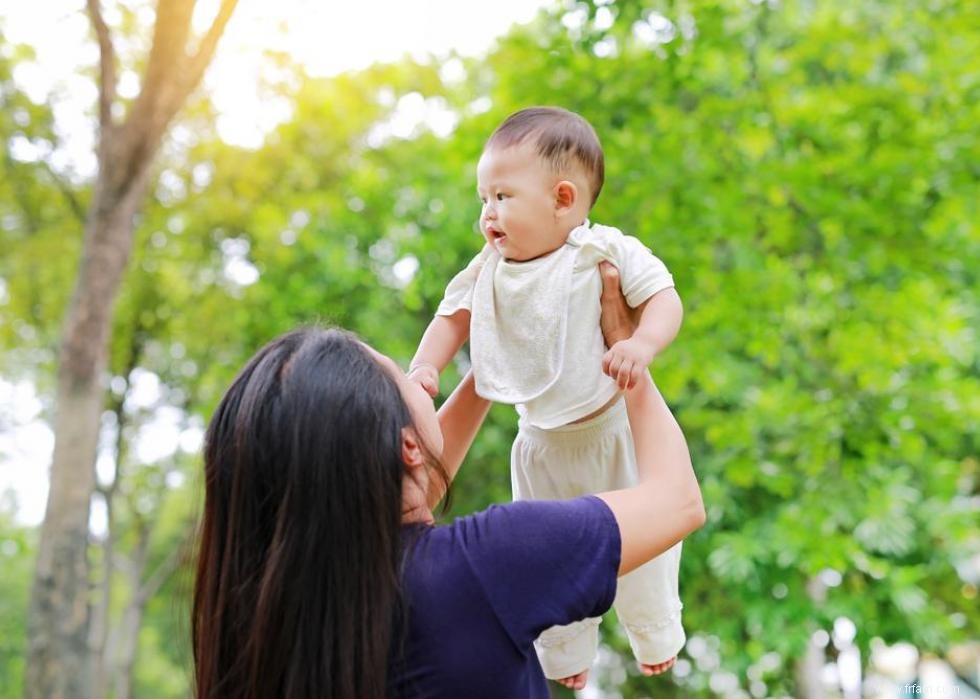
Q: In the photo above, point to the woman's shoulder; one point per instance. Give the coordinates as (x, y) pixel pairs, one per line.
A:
(532, 527)
(505, 514)
(519, 554)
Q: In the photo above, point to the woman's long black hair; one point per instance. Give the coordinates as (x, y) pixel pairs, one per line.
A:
(297, 577)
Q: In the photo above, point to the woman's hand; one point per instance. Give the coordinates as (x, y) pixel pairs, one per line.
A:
(618, 323)
(617, 320)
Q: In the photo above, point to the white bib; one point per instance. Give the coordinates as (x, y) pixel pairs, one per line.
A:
(519, 323)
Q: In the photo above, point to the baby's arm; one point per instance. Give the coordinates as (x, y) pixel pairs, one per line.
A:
(440, 343)
(660, 320)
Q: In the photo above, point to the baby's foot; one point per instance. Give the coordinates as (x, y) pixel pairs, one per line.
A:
(656, 668)
(575, 681)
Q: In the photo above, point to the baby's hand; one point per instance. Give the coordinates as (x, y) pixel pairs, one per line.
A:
(427, 375)
(626, 361)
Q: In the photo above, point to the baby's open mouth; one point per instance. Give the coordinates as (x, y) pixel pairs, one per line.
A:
(495, 234)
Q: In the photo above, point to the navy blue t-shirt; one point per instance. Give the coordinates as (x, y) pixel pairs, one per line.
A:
(480, 590)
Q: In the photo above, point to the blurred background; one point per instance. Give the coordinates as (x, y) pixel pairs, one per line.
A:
(808, 169)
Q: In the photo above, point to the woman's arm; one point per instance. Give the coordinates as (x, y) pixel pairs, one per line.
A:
(460, 418)
(665, 506)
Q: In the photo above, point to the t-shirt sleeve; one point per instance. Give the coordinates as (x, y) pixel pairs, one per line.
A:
(459, 291)
(642, 274)
(543, 563)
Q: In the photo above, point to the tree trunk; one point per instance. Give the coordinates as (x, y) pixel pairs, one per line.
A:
(58, 622)
(58, 615)
(100, 621)
(102, 608)
(132, 618)
(808, 668)
(58, 662)
(129, 640)
(809, 683)
(144, 588)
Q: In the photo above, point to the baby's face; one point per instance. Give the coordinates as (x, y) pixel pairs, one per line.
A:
(519, 203)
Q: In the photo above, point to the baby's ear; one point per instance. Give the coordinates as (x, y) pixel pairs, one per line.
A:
(566, 194)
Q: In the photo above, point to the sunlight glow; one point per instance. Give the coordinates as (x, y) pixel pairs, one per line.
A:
(326, 37)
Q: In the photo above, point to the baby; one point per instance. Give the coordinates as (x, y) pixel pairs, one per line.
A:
(529, 304)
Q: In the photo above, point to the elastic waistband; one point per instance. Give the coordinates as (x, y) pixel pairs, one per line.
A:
(614, 417)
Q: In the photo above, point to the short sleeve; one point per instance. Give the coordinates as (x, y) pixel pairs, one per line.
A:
(543, 563)
(459, 291)
(642, 273)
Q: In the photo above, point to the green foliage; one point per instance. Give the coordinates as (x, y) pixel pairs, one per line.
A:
(16, 562)
(36, 207)
(807, 171)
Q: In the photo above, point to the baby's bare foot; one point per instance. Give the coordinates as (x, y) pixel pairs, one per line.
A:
(575, 681)
(657, 668)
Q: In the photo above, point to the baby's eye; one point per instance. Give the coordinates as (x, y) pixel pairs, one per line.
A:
(500, 196)
(483, 200)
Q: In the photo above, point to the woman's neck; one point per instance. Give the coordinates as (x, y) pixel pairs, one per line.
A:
(415, 503)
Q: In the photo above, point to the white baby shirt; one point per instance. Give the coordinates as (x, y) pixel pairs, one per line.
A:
(535, 340)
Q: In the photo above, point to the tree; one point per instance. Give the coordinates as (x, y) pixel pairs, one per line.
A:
(58, 657)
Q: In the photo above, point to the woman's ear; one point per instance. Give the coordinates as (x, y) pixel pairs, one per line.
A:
(411, 449)
(566, 196)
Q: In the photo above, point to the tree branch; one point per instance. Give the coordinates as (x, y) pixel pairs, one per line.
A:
(171, 75)
(167, 61)
(148, 117)
(205, 50)
(66, 191)
(21, 195)
(163, 571)
(133, 356)
(107, 67)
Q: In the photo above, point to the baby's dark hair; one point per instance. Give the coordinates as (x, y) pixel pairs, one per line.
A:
(562, 138)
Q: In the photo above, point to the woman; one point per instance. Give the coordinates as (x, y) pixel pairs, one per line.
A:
(321, 573)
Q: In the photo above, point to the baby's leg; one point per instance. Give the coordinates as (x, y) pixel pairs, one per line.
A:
(647, 601)
(649, 609)
(542, 468)
(568, 651)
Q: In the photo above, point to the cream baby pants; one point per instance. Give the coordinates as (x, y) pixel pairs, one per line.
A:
(592, 457)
